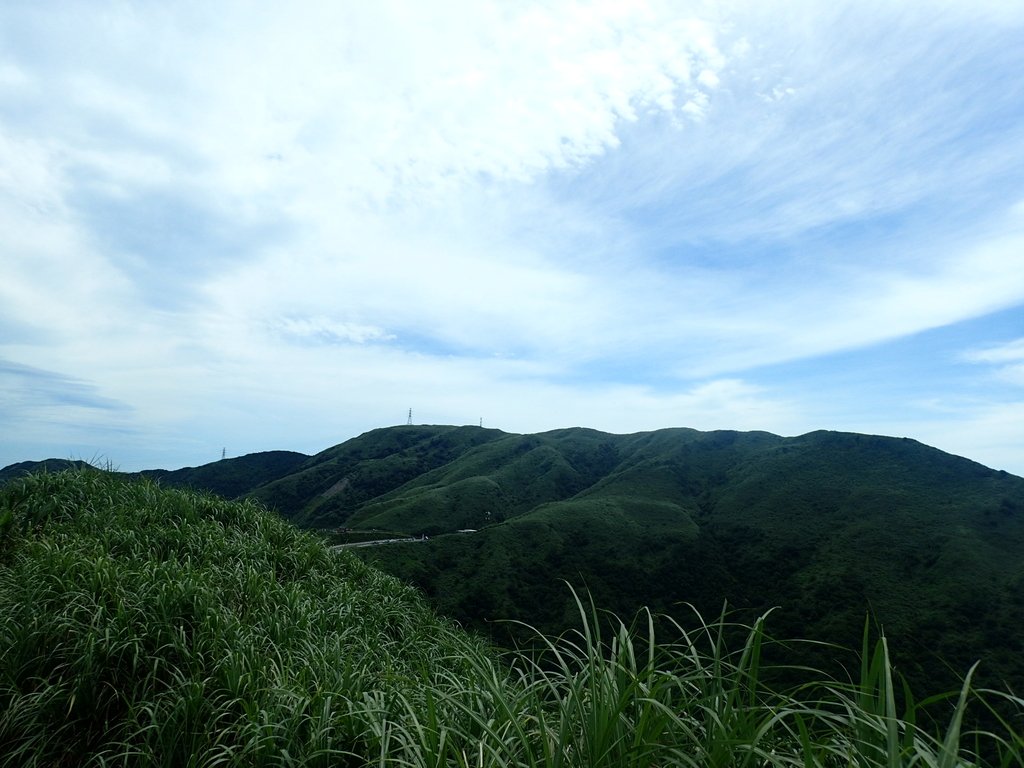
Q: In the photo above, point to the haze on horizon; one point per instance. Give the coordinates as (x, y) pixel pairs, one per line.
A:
(264, 226)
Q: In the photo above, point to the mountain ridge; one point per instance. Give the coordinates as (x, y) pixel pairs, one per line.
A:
(825, 525)
(209, 476)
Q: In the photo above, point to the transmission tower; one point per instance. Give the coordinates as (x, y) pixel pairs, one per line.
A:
(408, 421)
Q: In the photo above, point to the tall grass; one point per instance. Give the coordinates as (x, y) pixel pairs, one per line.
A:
(140, 626)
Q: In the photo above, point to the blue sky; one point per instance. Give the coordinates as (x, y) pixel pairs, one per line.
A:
(261, 226)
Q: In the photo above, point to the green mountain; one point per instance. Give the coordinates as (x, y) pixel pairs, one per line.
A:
(141, 625)
(232, 477)
(23, 468)
(327, 488)
(826, 526)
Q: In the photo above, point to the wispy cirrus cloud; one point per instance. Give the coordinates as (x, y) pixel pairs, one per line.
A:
(1010, 352)
(1007, 359)
(64, 415)
(329, 331)
(27, 387)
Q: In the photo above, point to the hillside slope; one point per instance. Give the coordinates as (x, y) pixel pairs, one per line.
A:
(147, 626)
(826, 526)
(232, 477)
(328, 487)
(143, 626)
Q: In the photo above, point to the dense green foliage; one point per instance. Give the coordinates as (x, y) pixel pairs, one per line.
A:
(142, 626)
(229, 478)
(826, 526)
(175, 628)
(232, 477)
(325, 490)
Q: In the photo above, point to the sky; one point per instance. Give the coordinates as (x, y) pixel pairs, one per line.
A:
(247, 226)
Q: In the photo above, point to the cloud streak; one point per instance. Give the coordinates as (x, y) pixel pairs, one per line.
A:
(25, 387)
(1007, 359)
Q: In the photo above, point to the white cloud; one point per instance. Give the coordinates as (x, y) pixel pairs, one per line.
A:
(1010, 352)
(1013, 374)
(53, 282)
(471, 204)
(328, 330)
(382, 99)
(988, 433)
(335, 116)
(1007, 360)
(838, 113)
(946, 285)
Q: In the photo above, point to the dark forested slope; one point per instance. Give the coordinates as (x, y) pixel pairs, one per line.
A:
(826, 526)
(233, 477)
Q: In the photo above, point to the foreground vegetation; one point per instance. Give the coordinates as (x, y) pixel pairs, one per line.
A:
(141, 626)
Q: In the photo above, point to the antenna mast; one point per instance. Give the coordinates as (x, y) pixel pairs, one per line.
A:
(409, 420)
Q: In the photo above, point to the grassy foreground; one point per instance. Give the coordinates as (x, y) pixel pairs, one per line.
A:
(141, 626)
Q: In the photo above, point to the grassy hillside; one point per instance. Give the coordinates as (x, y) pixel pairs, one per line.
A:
(172, 628)
(145, 626)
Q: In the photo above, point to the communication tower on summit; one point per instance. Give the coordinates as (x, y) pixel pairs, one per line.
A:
(408, 421)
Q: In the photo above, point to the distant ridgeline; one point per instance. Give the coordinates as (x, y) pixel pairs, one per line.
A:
(827, 526)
